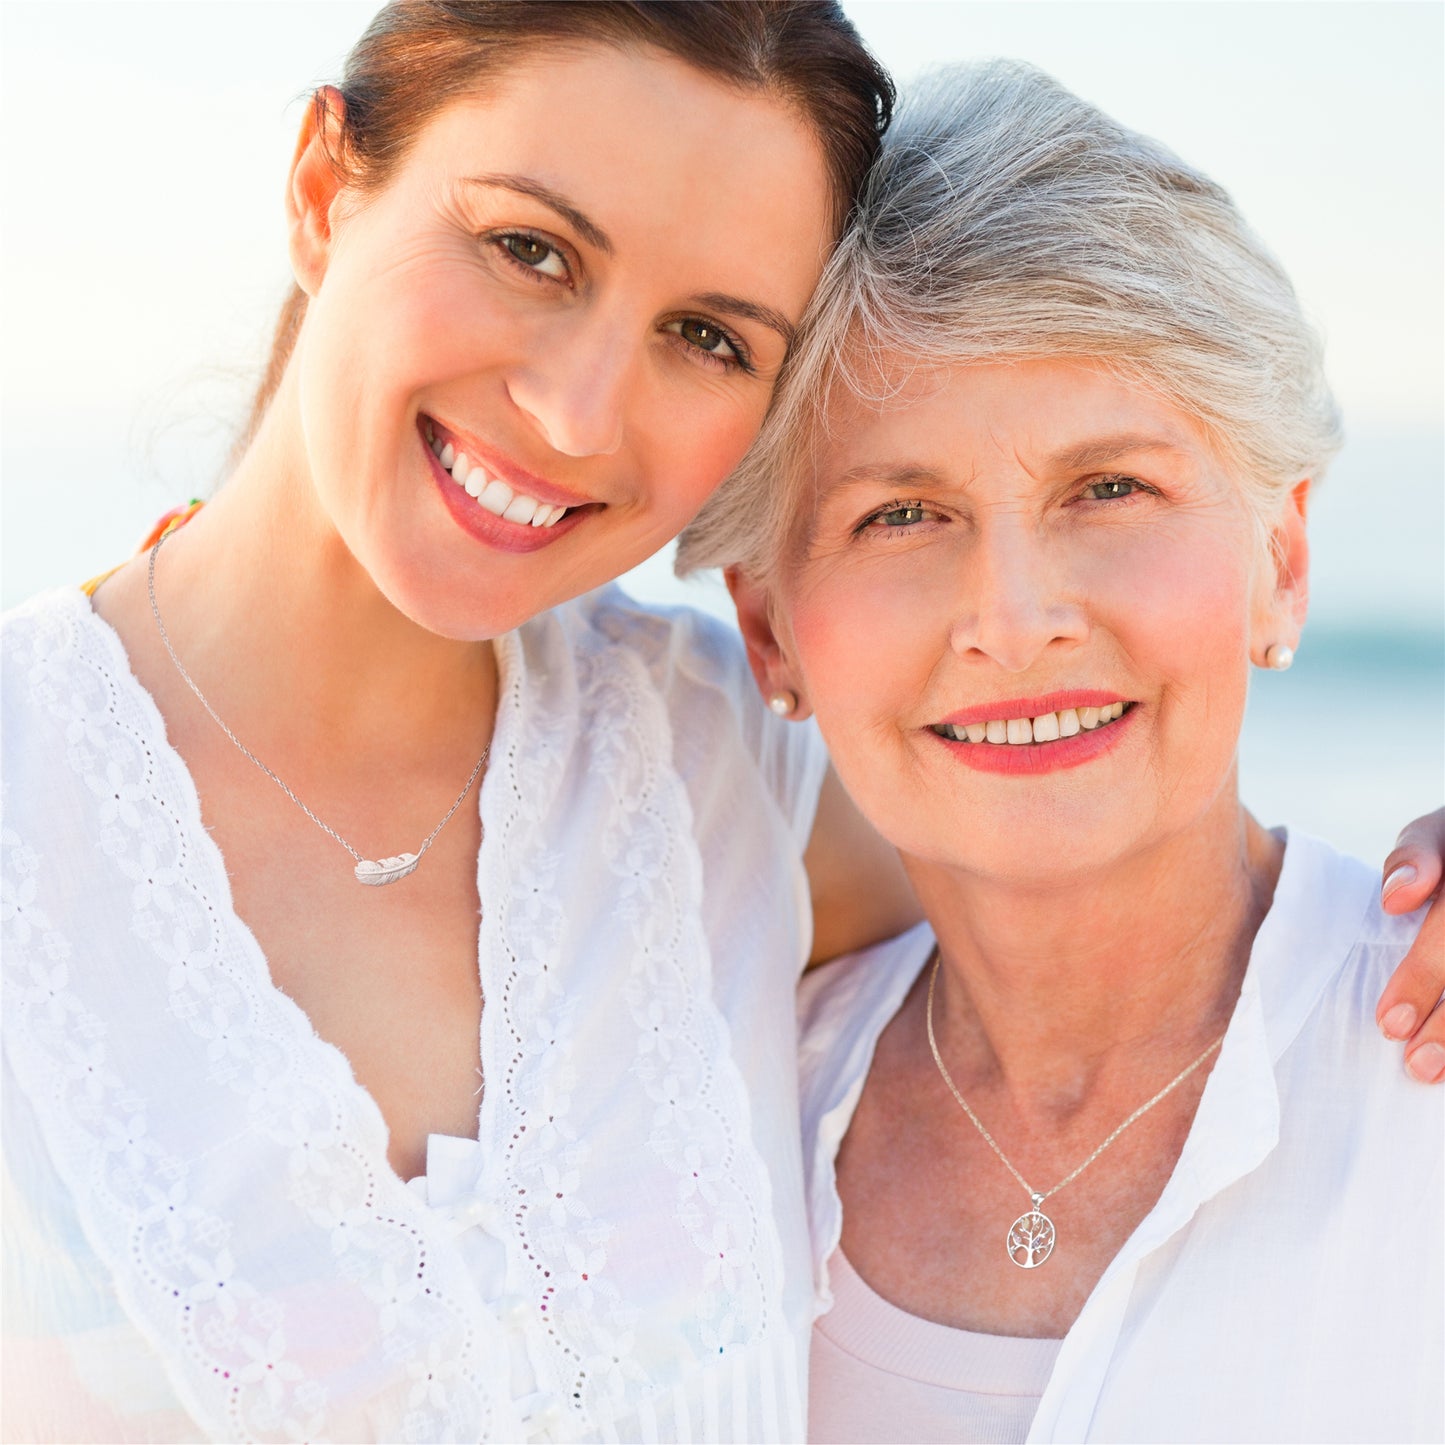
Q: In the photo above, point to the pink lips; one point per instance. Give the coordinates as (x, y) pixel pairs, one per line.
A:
(1032, 759)
(485, 526)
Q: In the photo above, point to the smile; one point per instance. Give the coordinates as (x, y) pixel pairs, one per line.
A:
(1049, 727)
(491, 493)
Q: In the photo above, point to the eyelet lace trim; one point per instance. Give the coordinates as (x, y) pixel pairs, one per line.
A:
(384, 1337)
(641, 971)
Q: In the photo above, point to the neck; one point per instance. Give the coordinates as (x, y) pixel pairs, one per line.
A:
(263, 600)
(1048, 988)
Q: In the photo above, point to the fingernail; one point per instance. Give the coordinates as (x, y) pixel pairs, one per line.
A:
(1427, 1063)
(1404, 874)
(1399, 1022)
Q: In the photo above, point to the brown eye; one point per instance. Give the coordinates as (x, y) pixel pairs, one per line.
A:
(536, 255)
(705, 336)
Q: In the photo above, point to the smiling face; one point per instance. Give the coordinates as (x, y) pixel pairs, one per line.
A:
(1024, 612)
(529, 358)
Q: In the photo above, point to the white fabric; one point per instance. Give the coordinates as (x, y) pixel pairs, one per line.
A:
(879, 1373)
(202, 1235)
(1287, 1285)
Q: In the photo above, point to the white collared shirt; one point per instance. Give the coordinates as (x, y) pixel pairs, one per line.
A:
(1287, 1286)
(202, 1235)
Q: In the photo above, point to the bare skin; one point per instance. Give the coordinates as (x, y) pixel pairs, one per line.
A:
(1011, 1037)
(387, 975)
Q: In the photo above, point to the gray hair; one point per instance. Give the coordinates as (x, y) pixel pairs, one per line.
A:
(1007, 219)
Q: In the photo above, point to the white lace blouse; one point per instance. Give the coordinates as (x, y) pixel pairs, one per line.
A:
(202, 1234)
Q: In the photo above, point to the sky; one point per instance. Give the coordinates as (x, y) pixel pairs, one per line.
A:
(143, 251)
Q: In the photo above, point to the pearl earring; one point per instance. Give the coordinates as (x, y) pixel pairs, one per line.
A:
(784, 703)
(1279, 656)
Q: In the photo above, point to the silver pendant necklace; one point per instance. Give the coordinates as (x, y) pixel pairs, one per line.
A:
(1031, 1237)
(373, 872)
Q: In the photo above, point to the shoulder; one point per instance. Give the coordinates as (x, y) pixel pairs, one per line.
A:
(1327, 917)
(694, 669)
(48, 647)
(679, 645)
(41, 622)
(1326, 951)
(843, 1007)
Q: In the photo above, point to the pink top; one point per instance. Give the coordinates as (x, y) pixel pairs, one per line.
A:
(881, 1374)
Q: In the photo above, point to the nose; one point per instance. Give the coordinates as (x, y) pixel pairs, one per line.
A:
(1015, 600)
(574, 388)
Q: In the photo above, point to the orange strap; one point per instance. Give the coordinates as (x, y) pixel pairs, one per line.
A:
(176, 517)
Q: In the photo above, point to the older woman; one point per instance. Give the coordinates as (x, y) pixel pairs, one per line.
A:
(1107, 1149)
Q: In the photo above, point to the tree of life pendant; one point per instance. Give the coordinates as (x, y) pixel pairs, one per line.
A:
(1031, 1237)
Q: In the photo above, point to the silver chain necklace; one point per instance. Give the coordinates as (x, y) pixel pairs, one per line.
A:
(373, 872)
(1031, 1236)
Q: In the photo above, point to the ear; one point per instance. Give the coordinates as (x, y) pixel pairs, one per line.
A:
(772, 671)
(313, 188)
(1285, 594)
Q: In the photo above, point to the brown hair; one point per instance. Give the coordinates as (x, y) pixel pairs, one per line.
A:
(417, 56)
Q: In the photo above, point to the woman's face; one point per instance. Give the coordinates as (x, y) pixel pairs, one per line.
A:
(1001, 559)
(581, 280)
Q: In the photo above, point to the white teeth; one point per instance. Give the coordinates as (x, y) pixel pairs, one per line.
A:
(496, 497)
(1046, 728)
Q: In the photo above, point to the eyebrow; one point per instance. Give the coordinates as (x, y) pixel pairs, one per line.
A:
(751, 311)
(902, 476)
(585, 227)
(1096, 452)
(1100, 451)
(594, 235)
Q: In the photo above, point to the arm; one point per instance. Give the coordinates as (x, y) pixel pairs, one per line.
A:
(1410, 1007)
(861, 894)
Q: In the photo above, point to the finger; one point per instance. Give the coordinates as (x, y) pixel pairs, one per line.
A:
(1407, 1006)
(1425, 1053)
(1414, 868)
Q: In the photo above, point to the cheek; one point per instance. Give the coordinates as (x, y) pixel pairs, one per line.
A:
(867, 636)
(688, 448)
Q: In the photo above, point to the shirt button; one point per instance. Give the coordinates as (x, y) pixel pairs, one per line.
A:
(475, 1214)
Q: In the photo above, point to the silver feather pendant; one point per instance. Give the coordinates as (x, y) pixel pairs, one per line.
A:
(387, 870)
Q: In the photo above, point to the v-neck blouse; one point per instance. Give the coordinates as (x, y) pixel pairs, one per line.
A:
(202, 1234)
(1287, 1283)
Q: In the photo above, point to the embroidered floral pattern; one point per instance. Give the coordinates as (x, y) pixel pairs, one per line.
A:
(675, 1083)
(378, 1334)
